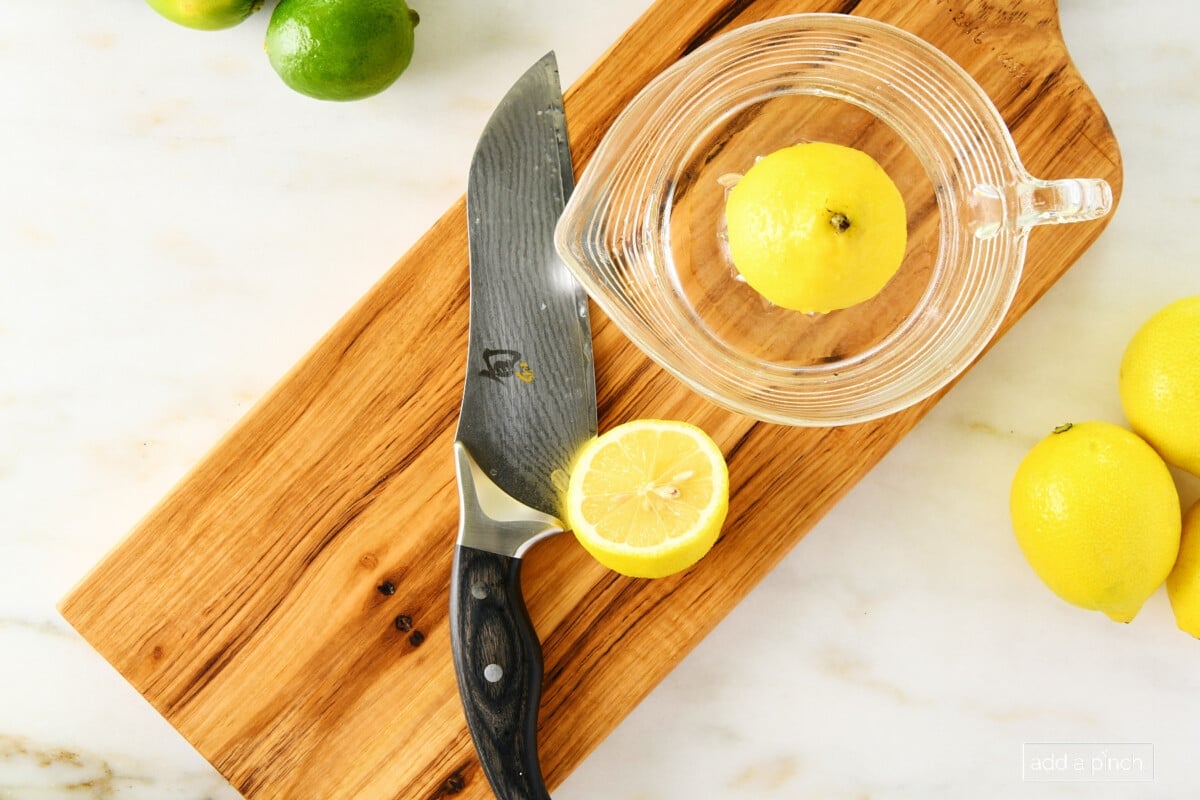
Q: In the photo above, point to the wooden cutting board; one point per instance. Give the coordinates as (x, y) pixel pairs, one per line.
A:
(285, 607)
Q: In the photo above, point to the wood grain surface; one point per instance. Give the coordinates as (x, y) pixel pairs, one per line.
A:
(285, 606)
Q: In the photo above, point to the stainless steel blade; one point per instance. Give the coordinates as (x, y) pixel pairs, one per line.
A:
(529, 400)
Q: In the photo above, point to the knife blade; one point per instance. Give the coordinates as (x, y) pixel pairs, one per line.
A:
(528, 405)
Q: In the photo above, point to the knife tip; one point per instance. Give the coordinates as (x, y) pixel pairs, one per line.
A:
(547, 66)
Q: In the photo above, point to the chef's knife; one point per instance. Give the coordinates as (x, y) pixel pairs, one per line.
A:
(529, 404)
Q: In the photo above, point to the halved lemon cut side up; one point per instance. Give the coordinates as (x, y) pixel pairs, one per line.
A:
(648, 497)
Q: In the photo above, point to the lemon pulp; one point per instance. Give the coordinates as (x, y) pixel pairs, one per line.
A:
(648, 497)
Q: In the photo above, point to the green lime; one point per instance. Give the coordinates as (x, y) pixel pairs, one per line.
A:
(340, 49)
(206, 15)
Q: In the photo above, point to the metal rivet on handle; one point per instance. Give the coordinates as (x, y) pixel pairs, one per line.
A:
(493, 673)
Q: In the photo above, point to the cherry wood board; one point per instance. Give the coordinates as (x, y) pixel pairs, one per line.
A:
(247, 608)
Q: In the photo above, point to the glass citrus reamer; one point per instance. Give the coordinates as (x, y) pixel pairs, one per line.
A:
(643, 230)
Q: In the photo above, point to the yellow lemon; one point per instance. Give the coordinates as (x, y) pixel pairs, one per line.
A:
(1159, 383)
(648, 498)
(1096, 513)
(816, 227)
(1183, 584)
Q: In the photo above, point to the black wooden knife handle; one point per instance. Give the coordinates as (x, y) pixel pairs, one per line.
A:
(498, 659)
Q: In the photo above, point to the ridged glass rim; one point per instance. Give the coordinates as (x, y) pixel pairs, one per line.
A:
(928, 100)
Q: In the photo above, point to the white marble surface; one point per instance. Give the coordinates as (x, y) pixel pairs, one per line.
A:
(176, 229)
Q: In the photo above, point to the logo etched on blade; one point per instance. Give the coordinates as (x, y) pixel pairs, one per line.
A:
(502, 364)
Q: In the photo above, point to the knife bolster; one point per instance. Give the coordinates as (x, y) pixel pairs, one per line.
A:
(492, 520)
